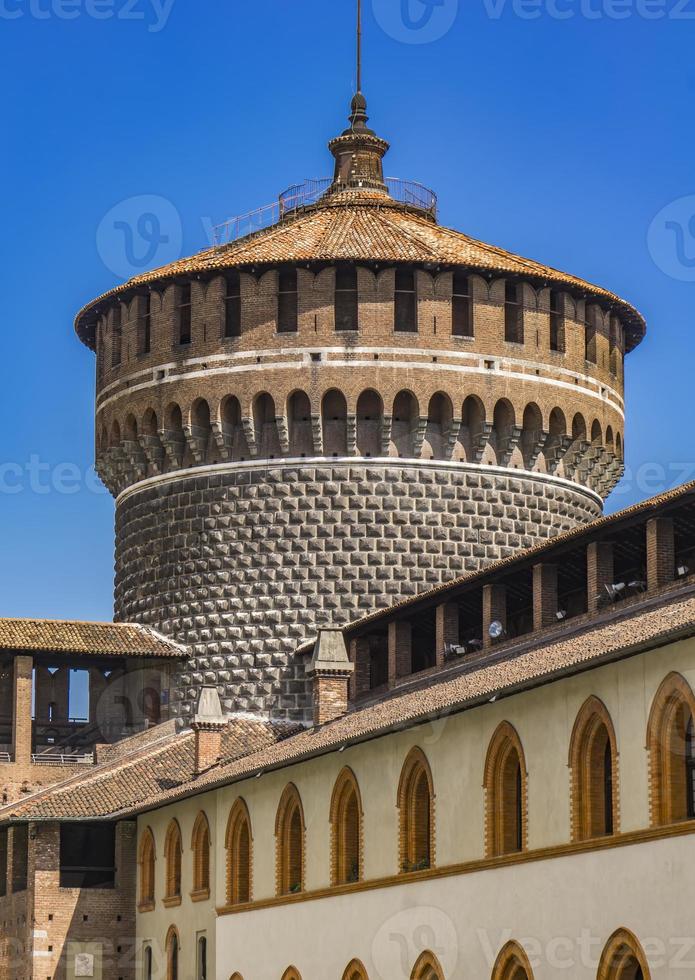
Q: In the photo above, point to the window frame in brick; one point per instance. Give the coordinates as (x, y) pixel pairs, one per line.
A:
(595, 795)
(116, 335)
(232, 305)
(622, 952)
(346, 299)
(172, 947)
(462, 309)
(346, 819)
(355, 970)
(144, 325)
(288, 301)
(513, 313)
(184, 315)
(511, 960)
(556, 302)
(427, 967)
(290, 843)
(405, 301)
(591, 311)
(19, 872)
(200, 845)
(173, 853)
(505, 787)
(672, 709)
(239, 855)
(416, 814)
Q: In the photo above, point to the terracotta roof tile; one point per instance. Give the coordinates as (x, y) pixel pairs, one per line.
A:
(104, 639)
(362, 228)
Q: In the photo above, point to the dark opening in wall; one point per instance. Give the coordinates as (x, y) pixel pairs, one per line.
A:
(378, 660)
(184, 316)
(145, 325)
(424, 641)
(287, 301)
(232, 305)
(3, 862)
(405, 302)
(20, 857)
(513, 314)
(346, 300)
(116, 335)
(87, 855)
(462, 307)
(557, 321)
(590, 337)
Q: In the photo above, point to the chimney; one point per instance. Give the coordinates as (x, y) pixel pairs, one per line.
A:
(208, 724)
(331, 671)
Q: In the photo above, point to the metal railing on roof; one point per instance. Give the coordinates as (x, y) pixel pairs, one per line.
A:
(5, 757)
(309, 192)
(58, 759)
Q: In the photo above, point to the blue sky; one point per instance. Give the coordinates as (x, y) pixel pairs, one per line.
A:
(560, 129)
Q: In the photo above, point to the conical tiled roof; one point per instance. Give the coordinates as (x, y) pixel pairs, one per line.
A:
(363, 226)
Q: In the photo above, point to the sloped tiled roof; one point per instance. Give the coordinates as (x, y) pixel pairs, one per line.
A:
(129, 780)
(362, 227)
(102, 639)
(162, 777)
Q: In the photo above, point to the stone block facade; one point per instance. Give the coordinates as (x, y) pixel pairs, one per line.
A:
(243, 563)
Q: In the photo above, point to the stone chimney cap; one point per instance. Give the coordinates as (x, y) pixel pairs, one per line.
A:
(210, 711)
(330, 653)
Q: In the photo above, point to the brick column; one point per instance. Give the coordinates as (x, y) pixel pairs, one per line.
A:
(494, 608)
(661, 552)
(359, 656)
(545, 602)
(447, 628)
(400, 649)
(599, 571)
(21, 710)
(331, 672)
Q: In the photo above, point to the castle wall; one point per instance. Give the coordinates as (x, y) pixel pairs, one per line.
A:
(242, 562)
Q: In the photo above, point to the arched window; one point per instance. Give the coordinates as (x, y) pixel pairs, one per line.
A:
(473, 429)
(439, 416)
(557, 321)
(346, 830)
(200, 844)
(512, 964)
(355, 971)
(623, 959)
(173, 949)
(147, 963)
(172, 857)
(184, 314)
(505, 793)
(532, 435)
(671, 748)
(406, 416)
(146, 862)
(238, 844)
(265, 427)
(291, 973)
(504, 435)
(427, 967)
(461, 307)
(299, 425)
(416, 807)
(232, 304)
(405, 307)
(593, 762)
(202, 958)
(289, 843)
(346, 299)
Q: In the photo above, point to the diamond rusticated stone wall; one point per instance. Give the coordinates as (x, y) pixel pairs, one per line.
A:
(242, 563)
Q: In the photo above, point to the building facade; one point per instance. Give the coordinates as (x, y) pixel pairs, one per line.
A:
(344, 409)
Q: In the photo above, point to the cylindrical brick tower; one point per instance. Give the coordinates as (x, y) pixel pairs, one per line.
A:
(307, 422)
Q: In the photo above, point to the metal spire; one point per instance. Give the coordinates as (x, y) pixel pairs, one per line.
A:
(359, 45)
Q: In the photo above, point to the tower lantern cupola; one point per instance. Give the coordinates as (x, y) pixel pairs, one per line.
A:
(358, 152)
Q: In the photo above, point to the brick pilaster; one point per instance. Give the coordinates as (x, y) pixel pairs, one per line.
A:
(447, 628)
(400, 649)
(661, 552)
(21, 712)
(494, 608)
(545, 602)
(359, 656)
(599, 571)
